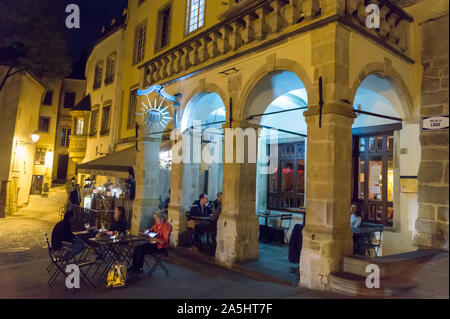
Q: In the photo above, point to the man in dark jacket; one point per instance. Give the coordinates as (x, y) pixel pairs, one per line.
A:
(62, 232)
(218, 200)
(75, 197)
(201, 207)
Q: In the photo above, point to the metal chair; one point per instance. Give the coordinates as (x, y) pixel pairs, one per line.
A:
(158, 261)
(285, 224)
(60, 258)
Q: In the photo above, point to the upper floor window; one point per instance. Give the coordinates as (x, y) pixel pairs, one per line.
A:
(69, 100)
(44, 124)
(48, 98)
(98, 75)
(39, 157)
(164, 27)
(131, 121)
(79, 126)
(139, 42)
(94, 123)
(65, 137)
(106, 114)
(195, 16)
(110, 68)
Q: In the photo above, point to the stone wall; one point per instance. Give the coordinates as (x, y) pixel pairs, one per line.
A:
(432, 224)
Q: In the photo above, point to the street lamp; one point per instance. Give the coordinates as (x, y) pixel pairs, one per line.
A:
(35, 137)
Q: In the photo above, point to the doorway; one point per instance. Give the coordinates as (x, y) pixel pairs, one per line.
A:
(63, 162)
(36, 184)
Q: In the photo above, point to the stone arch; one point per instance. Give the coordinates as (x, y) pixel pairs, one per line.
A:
(206, 88)
(280, 65)
(385, 70)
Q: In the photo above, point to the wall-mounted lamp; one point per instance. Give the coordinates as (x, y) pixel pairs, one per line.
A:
(35, 137)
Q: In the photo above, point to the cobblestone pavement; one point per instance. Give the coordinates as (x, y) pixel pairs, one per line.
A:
(22, 234)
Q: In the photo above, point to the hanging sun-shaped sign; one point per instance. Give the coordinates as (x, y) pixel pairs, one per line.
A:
(156, 113)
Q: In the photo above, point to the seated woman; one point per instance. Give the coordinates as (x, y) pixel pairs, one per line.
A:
(119, 222)
(355, 223)
(161, 241)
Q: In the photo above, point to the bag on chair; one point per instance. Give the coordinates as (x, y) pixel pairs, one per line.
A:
(117, 276)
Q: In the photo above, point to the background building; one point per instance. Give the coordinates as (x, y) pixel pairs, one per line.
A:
(20, 101)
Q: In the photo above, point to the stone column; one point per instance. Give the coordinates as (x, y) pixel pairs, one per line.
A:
(327, 236)
(146, 201)
(176, 211)
(237, 228)
(433, 223)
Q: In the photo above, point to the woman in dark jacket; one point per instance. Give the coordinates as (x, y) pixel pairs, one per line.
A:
(119, 222)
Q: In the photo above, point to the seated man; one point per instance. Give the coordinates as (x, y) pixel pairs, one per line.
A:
(214, 218)
(62, 233)
(218, 200)
(201, 207)
(162, 229)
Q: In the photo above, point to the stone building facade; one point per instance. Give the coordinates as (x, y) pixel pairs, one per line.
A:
(239, 58)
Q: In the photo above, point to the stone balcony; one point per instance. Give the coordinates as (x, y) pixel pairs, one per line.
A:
(77, 148)
(260, 22)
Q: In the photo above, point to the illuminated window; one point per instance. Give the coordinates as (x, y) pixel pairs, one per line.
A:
(110, 68)
(79, 127)
(39, 158)
(195, 15)
(139, 42)
(374, 177)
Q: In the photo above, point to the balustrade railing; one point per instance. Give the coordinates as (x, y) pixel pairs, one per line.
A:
(266, 19)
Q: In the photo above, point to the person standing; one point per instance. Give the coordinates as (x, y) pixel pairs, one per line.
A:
(75, 196)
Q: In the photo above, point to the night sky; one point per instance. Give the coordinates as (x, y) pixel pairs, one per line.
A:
(94, 14)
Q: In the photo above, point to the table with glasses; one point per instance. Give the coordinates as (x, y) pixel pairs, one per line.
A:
(110, 249)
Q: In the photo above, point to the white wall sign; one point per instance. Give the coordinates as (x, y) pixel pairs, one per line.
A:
(435, 123)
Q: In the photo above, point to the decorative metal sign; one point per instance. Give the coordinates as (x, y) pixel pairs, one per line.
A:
(156, 113)
(435, 123)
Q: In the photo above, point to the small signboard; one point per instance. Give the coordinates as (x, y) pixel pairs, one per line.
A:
(435, 123)
(408, 184)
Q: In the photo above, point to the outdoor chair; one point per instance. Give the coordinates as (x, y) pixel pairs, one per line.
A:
(59, 260)
(159, 256)
(285, 224)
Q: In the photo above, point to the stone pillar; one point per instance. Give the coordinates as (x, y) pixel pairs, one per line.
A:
(327, 236)
(237, 228)
(146, 201)
(176, 211)
(432, 224)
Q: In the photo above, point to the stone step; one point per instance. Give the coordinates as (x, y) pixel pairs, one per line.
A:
(392, 266)
(354, 285)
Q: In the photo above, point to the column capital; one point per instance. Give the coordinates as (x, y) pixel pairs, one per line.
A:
(337, 108)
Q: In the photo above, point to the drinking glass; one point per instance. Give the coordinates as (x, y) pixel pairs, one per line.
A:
(87, 225)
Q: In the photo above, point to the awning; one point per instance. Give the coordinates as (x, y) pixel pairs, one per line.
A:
(116, 164)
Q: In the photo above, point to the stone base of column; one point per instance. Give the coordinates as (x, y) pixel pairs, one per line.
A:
(319, 259)
(143, 210)
(237, 239)
(431, 235)
(177, 218)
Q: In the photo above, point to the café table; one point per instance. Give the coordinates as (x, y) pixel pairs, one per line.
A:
(209, 235)
(115, 249)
